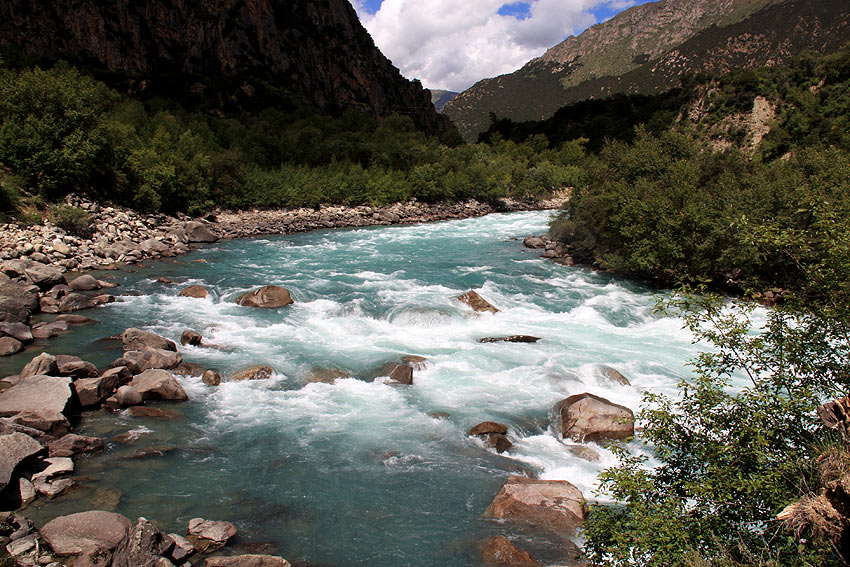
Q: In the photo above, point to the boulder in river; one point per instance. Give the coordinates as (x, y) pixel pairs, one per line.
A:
(248, 561)
(500, 551)
(37, 394)
(401, 374)
(211, 377)
(47, 421)
(137, 339)
(127, 396)
(18, 331)
(158, 385)
(42, 365)
(258, 372)
(145, 546)
(192, 338)
(553, 504)
(415, 362)
(84, 283)
(75, 302)
(152, 358)
(10, 346)
(15, 448)
(512, 339)
(196, 291)
(534, 242)
(267, 297)
(18, 301)
(585, 417)
(494, 434)
(477, 302)
(614, 375)
(73, 444)
(75, 367)
(71, 535)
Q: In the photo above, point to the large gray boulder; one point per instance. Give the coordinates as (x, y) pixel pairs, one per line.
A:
(199, 233)
(145, 546)
(92, 391)
(152, 358)
(585, 417)
(37, 394)
(84, 283)
(18, 301)
(267, 297)
(137, 339)
(15, 448)
(75, 367)
(76, 302)
(158, 385)
(43, 275)
(17, 331)
(553, 504)
(248, 561)
(70, 535)
(10, 346)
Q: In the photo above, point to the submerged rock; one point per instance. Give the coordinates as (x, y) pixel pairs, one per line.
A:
(513, 339)
(196, 291)
(614, 375)
(401, 374)
(192, 338)
(211, 378)
(585, 417)
(500, 551)
(477, 302)
(553, 504)
(72, 444)
(268, 297)
(495, 435)
(258, 372)
(248, 561)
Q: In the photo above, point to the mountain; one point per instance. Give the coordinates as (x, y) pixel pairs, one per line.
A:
(441, 98)
(314, 50)
(649, 48)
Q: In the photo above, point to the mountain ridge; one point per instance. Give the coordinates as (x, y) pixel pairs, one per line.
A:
(314, 50)
(611, 58)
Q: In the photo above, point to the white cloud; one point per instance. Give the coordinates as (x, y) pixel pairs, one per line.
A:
(451, 44)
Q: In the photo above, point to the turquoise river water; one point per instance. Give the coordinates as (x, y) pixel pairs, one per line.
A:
(361, 472)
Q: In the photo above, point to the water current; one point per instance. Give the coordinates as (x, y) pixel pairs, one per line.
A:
(361, 472)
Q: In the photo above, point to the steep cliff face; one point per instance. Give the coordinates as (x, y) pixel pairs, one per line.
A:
(648, 49)
(316, 50)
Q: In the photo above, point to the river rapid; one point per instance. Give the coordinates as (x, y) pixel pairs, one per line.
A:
(361, 472)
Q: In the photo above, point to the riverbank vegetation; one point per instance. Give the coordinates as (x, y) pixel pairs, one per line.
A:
(63, 131)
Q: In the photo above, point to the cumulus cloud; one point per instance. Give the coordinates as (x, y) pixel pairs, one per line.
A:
(449, 44)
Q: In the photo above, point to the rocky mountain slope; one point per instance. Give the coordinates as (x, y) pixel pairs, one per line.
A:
(441, 98)
(647, 49)
(314, 50)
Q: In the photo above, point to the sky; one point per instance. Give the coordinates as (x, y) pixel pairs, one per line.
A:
(451, 44)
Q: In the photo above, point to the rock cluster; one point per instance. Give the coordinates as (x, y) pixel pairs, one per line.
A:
(553, 250)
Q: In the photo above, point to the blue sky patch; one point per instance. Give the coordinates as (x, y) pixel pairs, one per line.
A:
(519, 10)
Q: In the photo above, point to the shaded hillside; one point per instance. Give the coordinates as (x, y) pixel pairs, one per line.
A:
(441, 98)
(648, 49)
(224, 50)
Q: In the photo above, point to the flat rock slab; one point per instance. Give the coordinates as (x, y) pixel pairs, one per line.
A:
(248, 561)
(70, 535)
(73, 444)
(553, 504)
(14, 449)
(56, 466)
(216, 531)
(37, 393)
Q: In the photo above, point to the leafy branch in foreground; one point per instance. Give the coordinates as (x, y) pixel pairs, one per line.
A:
(739, 444)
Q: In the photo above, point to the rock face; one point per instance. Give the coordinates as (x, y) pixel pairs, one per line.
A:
(159, 385)
(70, 535)
(17, 301)
(314, 49)
(500, 551)
(648, 49)
(248, 561)
(477, 302)
(553, 504)
(268, 297)
(585, 417)
(14, 449)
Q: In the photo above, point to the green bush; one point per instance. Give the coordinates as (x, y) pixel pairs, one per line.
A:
(72, 220)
